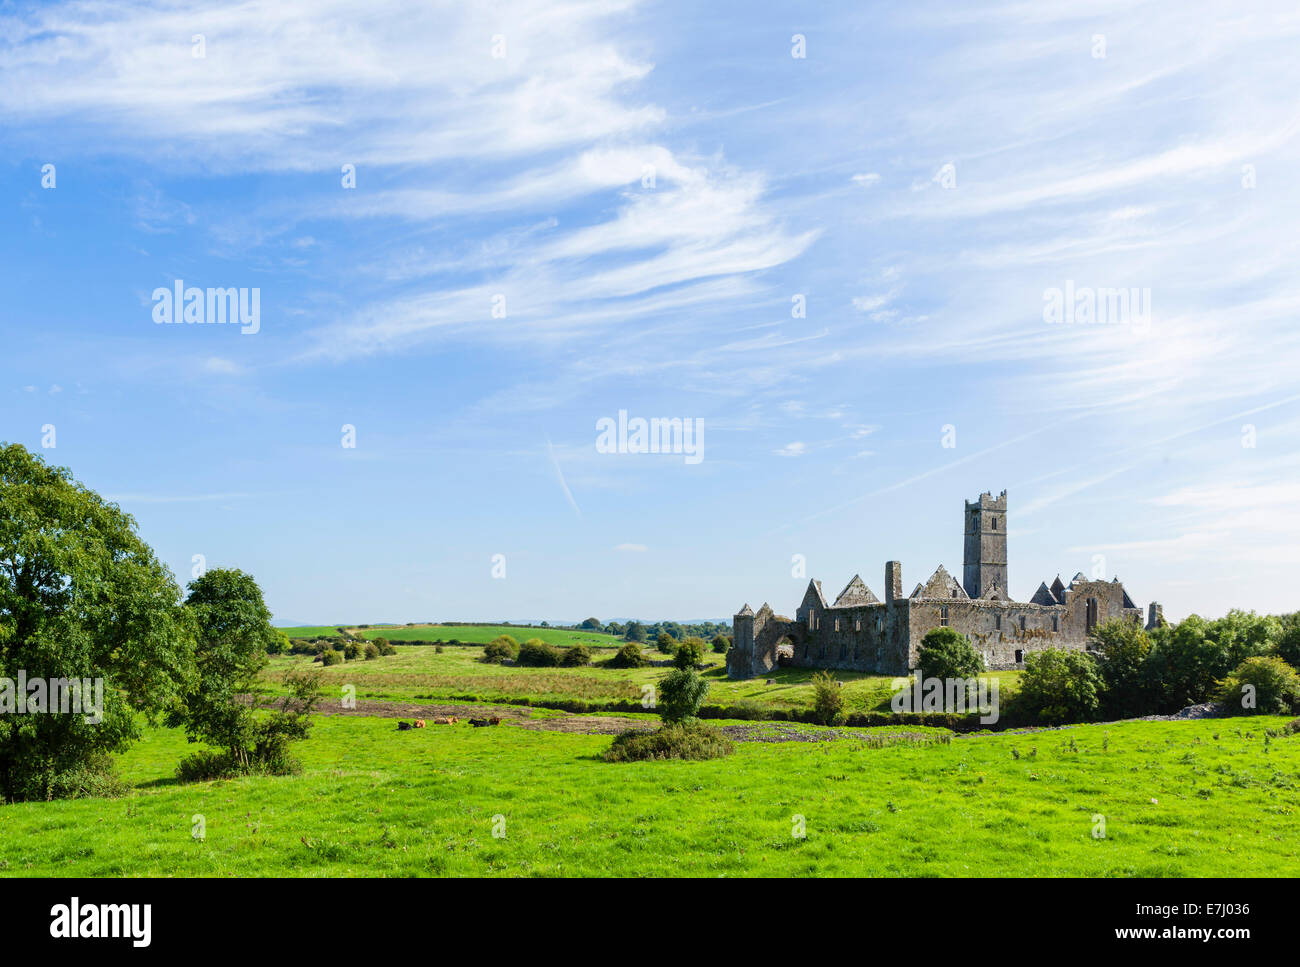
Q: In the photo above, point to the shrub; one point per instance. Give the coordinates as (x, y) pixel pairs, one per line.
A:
(666, 643)
(538, 654)
(635, 631)
(721, 643)
(385, 646)
(681, 740)
(437, 649)
(499, 649)
(576, 656)
(1261, 685)
(828, 698)
(1058, 687)
(352, 650)
(947, 654)
(279, 645)
(629, 656)
(681, 693)
(372, 651)
(331, 657)
(689, 653)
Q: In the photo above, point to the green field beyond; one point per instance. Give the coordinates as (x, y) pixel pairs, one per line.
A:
(471, 634)
(1202, 798)
(420, 672)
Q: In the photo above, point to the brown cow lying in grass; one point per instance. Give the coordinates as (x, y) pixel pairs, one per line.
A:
(419, 723)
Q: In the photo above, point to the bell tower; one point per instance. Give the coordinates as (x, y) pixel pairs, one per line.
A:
(985, 556)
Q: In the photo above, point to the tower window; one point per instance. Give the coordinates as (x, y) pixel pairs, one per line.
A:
(1056, 624)
(1020, 656)
(994, 525)
(997, 623)
(943, 615)
(1022, 622)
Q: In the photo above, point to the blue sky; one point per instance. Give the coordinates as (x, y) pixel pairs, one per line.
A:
(923, 177)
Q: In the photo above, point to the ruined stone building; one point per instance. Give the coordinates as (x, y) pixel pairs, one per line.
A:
(860, 632)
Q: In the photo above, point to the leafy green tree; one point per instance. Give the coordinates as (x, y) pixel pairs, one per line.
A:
(689, 653)
(590, 624)
(1123, 648)
(81, 597)
(635, 631)
(1287, 645)
(945, 653)
(681, 693)
(1059, 687)
(233, 632)
(666, 643)
(1262, 684)
(721, 643)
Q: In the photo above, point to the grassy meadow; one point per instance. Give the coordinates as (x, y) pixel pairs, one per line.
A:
(420, 672)
(1201, 798)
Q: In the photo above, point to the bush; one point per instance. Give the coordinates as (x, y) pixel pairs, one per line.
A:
(689, 653)
(499, 649)
(576, 656)
(1263, 685)
(372, 651)
(828, 698)
(538, 654)
(385, 646)
(352, 650)
(279, 645)
(629, 656)
(666, 643)
(681, 693)
(331, 657)
(682, 740)
(437, 649)
(947, 654)
(1058, 687)
(721, 643)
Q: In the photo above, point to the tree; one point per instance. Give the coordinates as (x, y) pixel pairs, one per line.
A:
(1287, 645)
(689, 653)
(947, 654)
(666, 643)
(233, 631)
(721, 643)
(1059, 687)
(1123, 648)
(681, 693)
(590, 624)
(629, 656)
(1262, 685)
(635, 632)
(81, 597)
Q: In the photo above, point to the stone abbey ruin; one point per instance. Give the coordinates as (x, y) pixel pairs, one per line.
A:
(859, 632)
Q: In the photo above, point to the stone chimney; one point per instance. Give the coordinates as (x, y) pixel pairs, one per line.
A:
(893, 581)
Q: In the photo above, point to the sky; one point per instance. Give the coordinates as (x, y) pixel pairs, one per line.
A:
(853, 244)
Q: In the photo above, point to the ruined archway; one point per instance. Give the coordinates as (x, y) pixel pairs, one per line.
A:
(785, 652)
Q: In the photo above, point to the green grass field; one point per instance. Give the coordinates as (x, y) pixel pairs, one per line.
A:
(420, 672)
(473, 634)
(482, 634)
(1204, 798)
